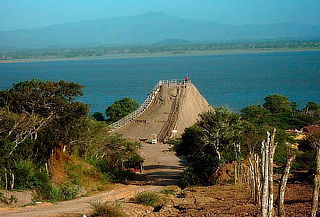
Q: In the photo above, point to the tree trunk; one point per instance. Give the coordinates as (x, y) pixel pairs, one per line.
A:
(12, 182)
(267, 151)
(257, 178)
(235, 174)
(253, 186)
(47, 169)
(316, 186)
(6, 181)
(282, 186)
(272, 147)
(265, 179)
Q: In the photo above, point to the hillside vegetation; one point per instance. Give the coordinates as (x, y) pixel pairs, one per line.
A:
(49, 143)
(221, 137)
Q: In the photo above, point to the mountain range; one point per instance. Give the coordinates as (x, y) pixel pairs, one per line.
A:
(150, 28)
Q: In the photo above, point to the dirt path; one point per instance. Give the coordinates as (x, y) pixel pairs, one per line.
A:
(161, 166)
(78, 206)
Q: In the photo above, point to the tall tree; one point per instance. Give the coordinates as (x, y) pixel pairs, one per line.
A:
(278, 103)
(214, 139)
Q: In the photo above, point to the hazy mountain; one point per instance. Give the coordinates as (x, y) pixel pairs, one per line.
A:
(146, 29)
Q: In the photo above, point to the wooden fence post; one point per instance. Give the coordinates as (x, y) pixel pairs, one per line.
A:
(315, 196)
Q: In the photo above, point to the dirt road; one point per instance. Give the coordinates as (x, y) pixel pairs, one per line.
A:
(77, 206)
(161, 166)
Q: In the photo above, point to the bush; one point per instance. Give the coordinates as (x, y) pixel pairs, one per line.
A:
(189, 178)
(149, 199)
(25, 177)
(106, 210)
(64, 192)
(305, 161)
(170, 190)
(113, 173)
(98, 116)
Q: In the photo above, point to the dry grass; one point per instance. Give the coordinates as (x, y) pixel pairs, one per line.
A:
(107, 210)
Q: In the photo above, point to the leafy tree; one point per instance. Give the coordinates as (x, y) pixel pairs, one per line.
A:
(312, 110)
(41, 97)
(121, 108)
(98, 116)
(278, 103)
(213, 140)
(311, 107)
(279, 112)
(49, 109)
(255, 113)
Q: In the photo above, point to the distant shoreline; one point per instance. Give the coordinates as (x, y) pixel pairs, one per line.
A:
(166, 54)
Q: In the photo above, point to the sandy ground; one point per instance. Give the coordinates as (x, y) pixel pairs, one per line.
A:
(151, 121)
(161, 166)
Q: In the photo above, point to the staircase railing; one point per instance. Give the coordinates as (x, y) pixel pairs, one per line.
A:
(147, 102)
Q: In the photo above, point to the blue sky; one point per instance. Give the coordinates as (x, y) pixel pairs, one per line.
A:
(18, 14)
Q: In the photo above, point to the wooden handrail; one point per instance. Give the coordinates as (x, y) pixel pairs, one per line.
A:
(147, 102)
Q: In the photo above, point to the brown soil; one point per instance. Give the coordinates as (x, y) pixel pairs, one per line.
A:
(58, 160)
(231, 200)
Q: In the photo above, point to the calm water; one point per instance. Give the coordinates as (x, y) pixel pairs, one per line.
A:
(235, 80)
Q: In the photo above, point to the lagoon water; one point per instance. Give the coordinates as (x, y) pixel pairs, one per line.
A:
(232, 80)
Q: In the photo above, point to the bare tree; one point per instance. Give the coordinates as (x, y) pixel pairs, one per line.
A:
(282, 186)
(19, 127)
(255, 177)
(267, 151)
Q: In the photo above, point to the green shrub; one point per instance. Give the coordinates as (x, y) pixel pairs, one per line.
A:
(114, 174)
(54, 194)
(171, 191)
(149, 199)
(63, 192)
(69, 192)
(24, 173)
(189, 178)
(305, 161)
(106, 210)
(28, 177)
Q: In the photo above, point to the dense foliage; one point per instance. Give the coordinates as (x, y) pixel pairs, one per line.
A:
(212, 141)
(221, 136)
(44, 130)
(121, 108)
(279, 112)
